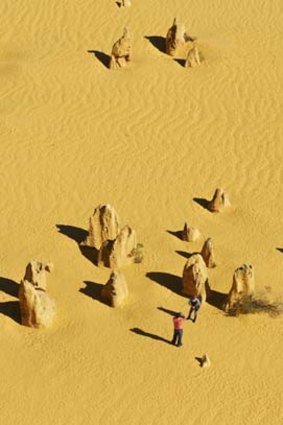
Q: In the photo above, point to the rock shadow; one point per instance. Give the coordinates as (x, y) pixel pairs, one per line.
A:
(280, 250)
(168, 280)
(177, 233)
(12, 310)
(9, 286)
(181, 62)
(199, 360)
(118, 4)
(202, 202)
(101, 56)
(139, 331)
(93, 290)
(158, 42)
(166, 310)
(186, 254)
(216, 299)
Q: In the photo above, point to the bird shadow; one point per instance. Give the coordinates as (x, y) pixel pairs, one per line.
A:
(12, 310)
(93, 290)
(216, 299)
(139, 331)
(177, 233)
(101, 56)
(157, 41)
(166, 310)
(9, 286)
(168, 280)
(202, 202)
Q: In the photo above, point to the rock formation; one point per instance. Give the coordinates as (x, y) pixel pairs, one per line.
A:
(207, 254)
(243, 286)
(126, 3)
(190, 234)
(37, 308)
(194, 281)
(121, 51)
(115, 290)
(193, 58)
(103, 226)
(205, 361)
(176, 37)
(119, 252)
(36, 273)
(219, 202)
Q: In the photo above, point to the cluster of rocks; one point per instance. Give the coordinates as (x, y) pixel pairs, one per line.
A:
(37, 308)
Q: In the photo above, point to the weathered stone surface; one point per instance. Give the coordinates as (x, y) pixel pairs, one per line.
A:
(176, 37)
(205, 361)
(126, 3)
(115, 290)
(119, 252)
(37, 308)
(103, 226)
(243, 286)
(190, 234)
(121, 51)
(36, 273)
(219, 202)
(193, 58)
(207, 253)
(195, 281)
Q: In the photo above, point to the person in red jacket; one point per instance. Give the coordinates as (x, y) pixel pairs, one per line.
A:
(178, 322)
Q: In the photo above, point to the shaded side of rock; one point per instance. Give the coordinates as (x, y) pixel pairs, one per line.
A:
(207, 253)
(219, 202)
(37, 308)
(243, 286)
(195, 279)
(121, 51)
(175, 37)
(190, 234)
(115, 290)
(36, 273)
(193, 58)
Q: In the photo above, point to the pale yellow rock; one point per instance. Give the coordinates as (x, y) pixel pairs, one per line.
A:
(195, 278)
(243, 286)
(205, 361)
(219, 202)
(37, 308)
(175, 37)
(115, 290)
(207, 253)
(103, 226)
(121, 51)
(36, 273)
(126, 3)
(193, 58)
(190, 234)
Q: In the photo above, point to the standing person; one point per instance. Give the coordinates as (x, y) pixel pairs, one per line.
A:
(195, 303)
(178, 321)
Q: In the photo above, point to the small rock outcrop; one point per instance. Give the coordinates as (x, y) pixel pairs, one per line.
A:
(36, 273)
(219, 202)
(103, 226)
(119, 252)
(37, 308)
(176, 37)
(208, 254)
(126, 3)
(243, 286)
(190, 234)
(194, 280)
(115, 291)
(205, 361)
(121, 51)
(193, 58)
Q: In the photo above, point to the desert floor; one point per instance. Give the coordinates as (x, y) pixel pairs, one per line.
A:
(146, 139)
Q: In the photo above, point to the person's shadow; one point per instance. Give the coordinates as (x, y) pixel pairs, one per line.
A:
(139, 331)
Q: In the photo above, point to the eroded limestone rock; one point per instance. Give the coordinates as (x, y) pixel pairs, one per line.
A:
(176, 37)
(115, 290)
(205, 361)
(121, 51)
(195, 280)
(219, 202)
(103, 226)
(243, 286)
(126, 3)
(37, 308)
(36, 273)
(193, 58)
(190, 234)
(208, 253)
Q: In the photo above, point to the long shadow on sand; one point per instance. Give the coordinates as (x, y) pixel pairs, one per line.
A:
(202, 202)
(216, 299)
(12, 310)
(93, 290)
(102, 57)
(180, 62)
(280, 250)
(168, 280)
(186, 254)
(157, 41)
(139, 331)
(166, 310)
(176, 233)
(9, 286)
(79, 235)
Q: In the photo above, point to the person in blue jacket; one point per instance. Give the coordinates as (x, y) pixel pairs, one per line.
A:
(195, 304)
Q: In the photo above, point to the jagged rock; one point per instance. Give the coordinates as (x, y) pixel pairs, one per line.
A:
(126, 3)
(195, 281)
(193, 58)
(121, 51)
(176, 37)
(35, 273)
(190, 234)
(207, 253)
(119, 252)
(115, 290)
(37, 308)
(103, 225)
(219, 202)
(243, 286)
(205, 361)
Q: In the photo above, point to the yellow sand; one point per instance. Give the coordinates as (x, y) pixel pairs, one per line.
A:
(146, 139)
